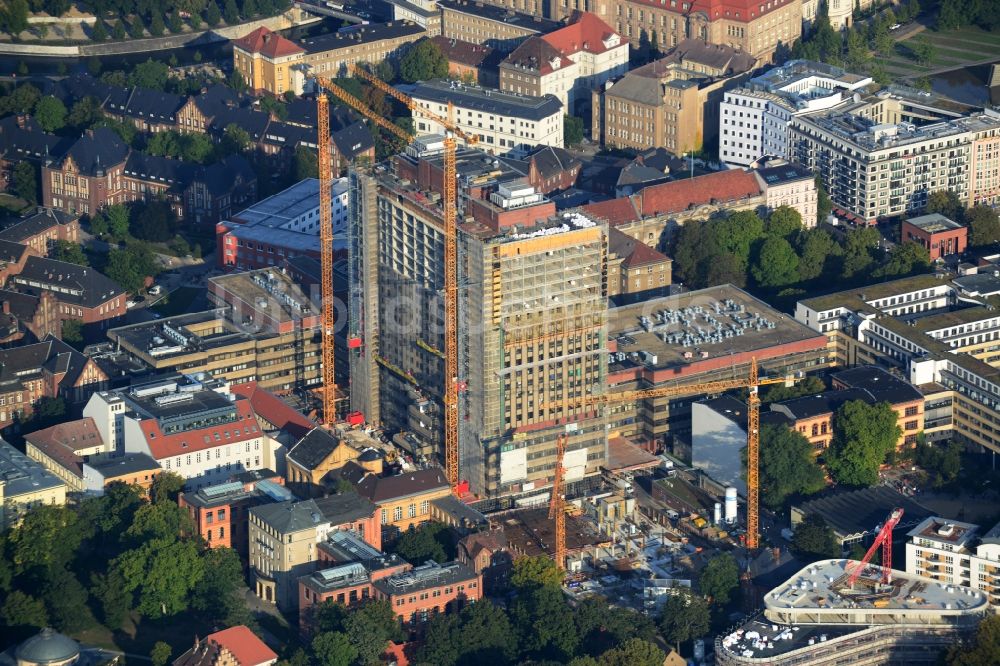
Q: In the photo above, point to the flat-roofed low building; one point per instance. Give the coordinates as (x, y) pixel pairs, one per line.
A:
(505, 123)
(698, 336)
(265, 299)
(25, 484)
(855, 516)
(814, 619)
(430, 589)
(935, 232)
(212, 342)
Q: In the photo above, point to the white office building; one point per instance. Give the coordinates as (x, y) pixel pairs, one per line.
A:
(753, 120)
(956, 553)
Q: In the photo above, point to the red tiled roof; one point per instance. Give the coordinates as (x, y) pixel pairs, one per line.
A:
(680, 195)
(735, 10)
(615, 211)
(163, 446)
(585, 32)
(274, 410)
(634, 253)
(244, 646)
(267, 43)
(61, 442)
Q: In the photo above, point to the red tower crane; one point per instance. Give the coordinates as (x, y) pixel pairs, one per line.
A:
(884, 539)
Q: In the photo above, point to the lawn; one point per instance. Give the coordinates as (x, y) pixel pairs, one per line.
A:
(953, 48)
(179, 301)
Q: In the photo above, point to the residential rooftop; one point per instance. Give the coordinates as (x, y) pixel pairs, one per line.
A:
(486, 100)
(22, 475)
(952, 533)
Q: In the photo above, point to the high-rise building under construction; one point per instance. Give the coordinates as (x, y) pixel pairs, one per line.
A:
(532, 304)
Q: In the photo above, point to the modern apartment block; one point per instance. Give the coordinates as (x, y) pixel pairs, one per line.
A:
(531, 327)
(956, 553)
(875, 166)
(505, 123)
(753, 120)
(940, 332)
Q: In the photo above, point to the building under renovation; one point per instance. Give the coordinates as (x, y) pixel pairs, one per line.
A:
(532, 306)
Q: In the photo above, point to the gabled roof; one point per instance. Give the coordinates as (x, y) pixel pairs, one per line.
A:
(461, 52)
(162, 445)
(222, 177)
(36, 223)
(615, 211)
(61, 442)
(267, 43)
(153, 168)
(632, 252)
(294, 516)
(11, 252)
(714, 56)
(381, 489)
(52, 355)
(681, 195)
(214, 99)
(272, 409)
(254, 122)
(153, 105)
(79, 85)
(353, 140)
(585, 32)
(551, 161)
(22, 306)
(97, 150)
(310, 451)
(537, 55)
(71, 283)
(244, 645)
(22, 137)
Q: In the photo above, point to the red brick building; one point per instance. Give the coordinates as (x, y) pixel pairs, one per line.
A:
(941, 236)
(472, 63)
(419, 594)
(40, 231)
(82, 293)
(235, 646)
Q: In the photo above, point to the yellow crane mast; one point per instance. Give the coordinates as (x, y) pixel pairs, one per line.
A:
(450, 205)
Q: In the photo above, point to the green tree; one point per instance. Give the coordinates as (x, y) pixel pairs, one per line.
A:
(334, 649)
(719, 578)
(166, 487)
(161, 573)
(370, 627)
(14, 16)
(602, 627)
(99, 33)
(21, 612)
(150, 74)
(572, 131)
(947, 203)
(984, 650)
(984, 226)
(48, 412)
(942, 463)
(84, 113)
(814, 539)
(117, 216)
(221, 596)
(72, 332)
(25, 182)
(905, 259)
(160, 654)
(816, 249)
(70, 252)
(777, 264)
(859, 251)
(633, 652)
(237, 82)
(129, 267)
(422, 62)
(175, 25)
(534, 572)
(685, 617)
(212, 15)
(135, 29)
(306, 163)
(481, 633)
(784, 221)
(923, 51)
(419, 544)
(738, 232)
(115, 602)
(155, 221)
(66, 601)
(787, 466)
(230, 12)
(158, 520)
(949, 17)
(118, 31)
(857, 50)
(235, 139)
(824, 205)
(156, 25)
(545, 623)
(863, 436)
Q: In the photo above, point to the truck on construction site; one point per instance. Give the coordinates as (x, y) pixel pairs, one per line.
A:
(624, 485)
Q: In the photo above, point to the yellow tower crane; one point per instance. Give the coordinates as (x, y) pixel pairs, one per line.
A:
(752, 382)
(450, 204)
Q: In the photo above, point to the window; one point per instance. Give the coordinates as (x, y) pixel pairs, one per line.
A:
(397, 513)
(425, 506)
(412, 511)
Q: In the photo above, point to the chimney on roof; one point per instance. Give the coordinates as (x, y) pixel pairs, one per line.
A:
(6, 307)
